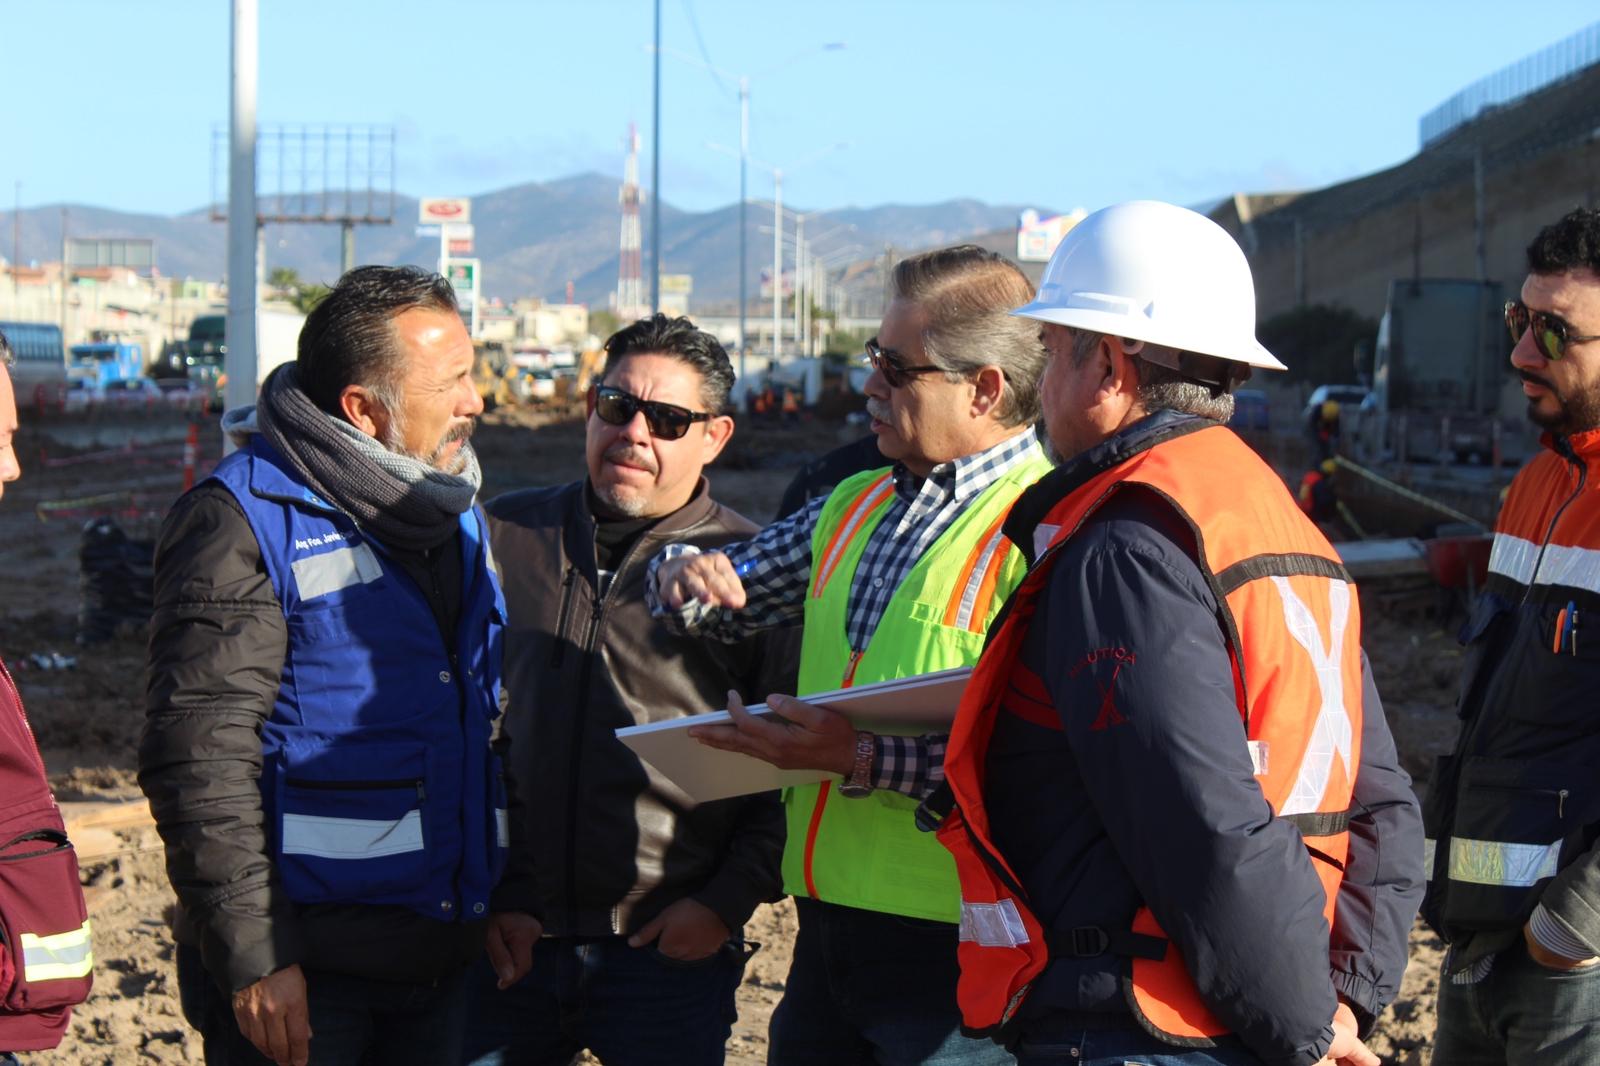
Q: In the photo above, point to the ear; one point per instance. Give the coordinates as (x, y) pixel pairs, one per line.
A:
(362, 410)
(718, 432)
(1115, 367)
(988, 389)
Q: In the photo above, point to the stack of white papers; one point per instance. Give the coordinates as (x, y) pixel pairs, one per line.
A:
(906, 705)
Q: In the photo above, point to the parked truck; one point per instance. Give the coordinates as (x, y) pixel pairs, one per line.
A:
(202, 358)
(1442, 386)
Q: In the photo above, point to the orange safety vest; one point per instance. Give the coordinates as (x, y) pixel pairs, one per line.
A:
(1292, 628)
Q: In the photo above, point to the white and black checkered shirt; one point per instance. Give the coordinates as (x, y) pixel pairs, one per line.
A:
(775, 569)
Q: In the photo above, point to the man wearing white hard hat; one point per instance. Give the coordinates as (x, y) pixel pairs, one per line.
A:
(1180, 827)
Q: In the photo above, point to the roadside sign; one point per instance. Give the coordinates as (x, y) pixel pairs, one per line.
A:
(452, 209)
(457, 238)
(465, 276)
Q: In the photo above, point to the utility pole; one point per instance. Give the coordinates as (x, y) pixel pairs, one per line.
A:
(64, 276)
(744, 165)
(16, 242)
(347, 247)
(777, 266)
(655, 181)
(243, 233)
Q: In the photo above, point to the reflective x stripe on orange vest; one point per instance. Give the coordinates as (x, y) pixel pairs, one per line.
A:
(1292, 627)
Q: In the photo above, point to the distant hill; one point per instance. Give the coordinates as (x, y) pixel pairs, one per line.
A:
(532, 238)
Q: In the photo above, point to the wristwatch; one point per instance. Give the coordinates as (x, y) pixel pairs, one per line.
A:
(859, 783)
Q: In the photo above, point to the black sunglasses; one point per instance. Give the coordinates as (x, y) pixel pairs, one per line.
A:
(891, 364)
(667, 421)
(1550, 333)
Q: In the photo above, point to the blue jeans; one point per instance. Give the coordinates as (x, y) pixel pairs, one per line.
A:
(355, 1021)
(630, 1006)
(872, 989)
(1520, 1013)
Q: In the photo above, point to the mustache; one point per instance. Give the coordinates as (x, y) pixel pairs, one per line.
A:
(461, 432)
(877, 409)
(627, 453)
(1535, 379)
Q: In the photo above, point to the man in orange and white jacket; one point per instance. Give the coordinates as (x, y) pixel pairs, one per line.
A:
(1514, 871)
(1180, 827)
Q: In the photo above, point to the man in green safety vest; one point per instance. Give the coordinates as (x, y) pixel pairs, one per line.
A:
(897, 572)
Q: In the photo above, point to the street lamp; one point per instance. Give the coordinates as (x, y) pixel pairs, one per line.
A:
(744, 159)
(777, 234)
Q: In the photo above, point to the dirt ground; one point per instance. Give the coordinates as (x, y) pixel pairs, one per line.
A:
(87, 718)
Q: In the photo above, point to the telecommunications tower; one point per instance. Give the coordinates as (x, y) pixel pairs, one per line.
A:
(630, 284)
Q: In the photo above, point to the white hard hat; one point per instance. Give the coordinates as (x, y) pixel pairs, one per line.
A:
(1158, 273)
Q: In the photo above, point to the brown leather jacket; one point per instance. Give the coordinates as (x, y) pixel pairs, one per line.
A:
(600, 842)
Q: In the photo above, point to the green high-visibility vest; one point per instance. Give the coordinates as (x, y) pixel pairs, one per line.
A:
(868, 852)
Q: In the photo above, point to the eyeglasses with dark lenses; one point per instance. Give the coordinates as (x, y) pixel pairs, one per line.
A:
(1550, 334)
(891, 364)
(667, 421)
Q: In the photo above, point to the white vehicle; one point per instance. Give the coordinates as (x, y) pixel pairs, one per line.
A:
(39, 375)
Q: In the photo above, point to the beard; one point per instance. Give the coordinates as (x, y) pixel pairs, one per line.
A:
(394, 440)
(625, 500)
(1573, 414)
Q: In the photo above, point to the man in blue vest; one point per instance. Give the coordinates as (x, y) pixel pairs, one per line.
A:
(324, 667)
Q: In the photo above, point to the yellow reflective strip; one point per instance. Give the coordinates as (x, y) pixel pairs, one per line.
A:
(59, 971)
(57, 941)
(58, 956)
(1494, 862)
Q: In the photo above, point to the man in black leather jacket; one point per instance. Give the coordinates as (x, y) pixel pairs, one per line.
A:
(619, 921)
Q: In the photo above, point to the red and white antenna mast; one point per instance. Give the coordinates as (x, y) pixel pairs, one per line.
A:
(630, 281)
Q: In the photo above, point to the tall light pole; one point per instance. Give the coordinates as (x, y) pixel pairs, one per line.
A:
(240, 361)
(744, 199)
(744, 158)
(777, 265)
(655, 180)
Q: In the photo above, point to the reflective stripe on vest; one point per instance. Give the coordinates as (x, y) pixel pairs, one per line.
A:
(58, 956)
(351, 838)
(1292, 626)
(1495, 862)
(867, 852)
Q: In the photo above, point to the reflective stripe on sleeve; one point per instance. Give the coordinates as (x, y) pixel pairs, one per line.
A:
(58, 957)
(502, 827)
(993, 925)
(1491, 862)
(351, 838)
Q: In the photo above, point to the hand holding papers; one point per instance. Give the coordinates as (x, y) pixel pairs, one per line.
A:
(907, 705)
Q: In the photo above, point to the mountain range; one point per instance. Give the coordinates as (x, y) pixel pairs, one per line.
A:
(534, 238)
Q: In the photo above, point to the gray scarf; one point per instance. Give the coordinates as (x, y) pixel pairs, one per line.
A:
(403, 502)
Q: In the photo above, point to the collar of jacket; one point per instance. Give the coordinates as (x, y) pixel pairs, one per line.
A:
(1581, 447)
(1036, 501)
(578, 536)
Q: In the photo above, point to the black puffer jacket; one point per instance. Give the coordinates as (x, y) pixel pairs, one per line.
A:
(600, 842)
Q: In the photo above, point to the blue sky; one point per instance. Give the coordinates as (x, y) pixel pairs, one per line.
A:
(1054, 104)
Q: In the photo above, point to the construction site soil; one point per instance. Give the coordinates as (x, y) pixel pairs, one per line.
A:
(87, 716)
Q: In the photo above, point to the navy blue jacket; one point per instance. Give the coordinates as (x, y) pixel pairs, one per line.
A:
(1162, 807)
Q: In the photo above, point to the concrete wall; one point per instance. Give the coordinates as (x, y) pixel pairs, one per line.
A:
(1350, 261)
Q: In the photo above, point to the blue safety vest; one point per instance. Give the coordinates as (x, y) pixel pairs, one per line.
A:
(377, 781)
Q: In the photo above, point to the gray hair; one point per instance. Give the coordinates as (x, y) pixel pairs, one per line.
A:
(967, 294)
(1162, 388)
(7, 356)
